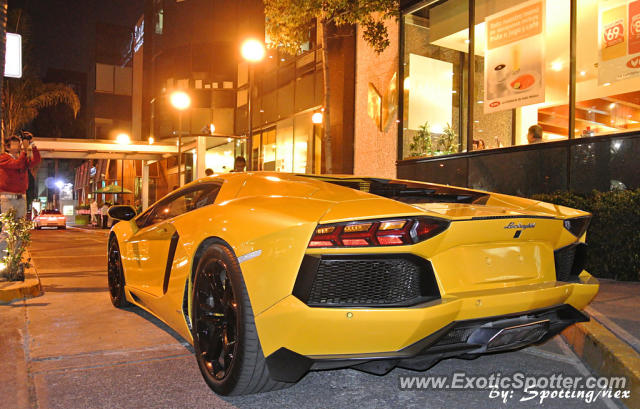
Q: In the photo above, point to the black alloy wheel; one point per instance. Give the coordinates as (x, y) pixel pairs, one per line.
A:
(216, 318)
(225, 339)
(115, 275)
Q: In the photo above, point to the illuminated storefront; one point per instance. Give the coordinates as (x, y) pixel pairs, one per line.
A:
(470, 99)
(289, 145)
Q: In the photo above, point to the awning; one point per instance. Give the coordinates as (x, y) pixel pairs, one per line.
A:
(113, 188)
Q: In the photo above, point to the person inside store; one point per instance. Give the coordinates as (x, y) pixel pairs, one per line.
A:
(478, 144)
(239, 164)
(19, 157)
(535, 134)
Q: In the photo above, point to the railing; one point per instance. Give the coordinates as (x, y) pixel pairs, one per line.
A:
(581, 165)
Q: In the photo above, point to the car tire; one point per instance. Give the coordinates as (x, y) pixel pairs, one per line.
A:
(225, 339)
(115, 275)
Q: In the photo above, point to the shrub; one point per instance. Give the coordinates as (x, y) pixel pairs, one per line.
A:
(18, 237)
(614, 233)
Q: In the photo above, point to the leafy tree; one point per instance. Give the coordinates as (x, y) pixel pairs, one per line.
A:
(288, 20)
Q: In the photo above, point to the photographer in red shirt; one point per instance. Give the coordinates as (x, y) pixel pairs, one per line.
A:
(19, 158)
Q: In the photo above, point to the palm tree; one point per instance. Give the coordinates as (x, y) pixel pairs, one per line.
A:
(25, 97)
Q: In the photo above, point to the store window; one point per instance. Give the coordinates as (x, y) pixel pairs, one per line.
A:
(607, 67)
(435, 61)
(293, 145)
(521, 75)
(221, 157)
(522, 48)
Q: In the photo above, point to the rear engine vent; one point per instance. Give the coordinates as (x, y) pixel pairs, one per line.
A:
(570, 261)
(365, 281)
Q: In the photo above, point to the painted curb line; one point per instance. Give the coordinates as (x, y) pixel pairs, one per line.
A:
(607, 355)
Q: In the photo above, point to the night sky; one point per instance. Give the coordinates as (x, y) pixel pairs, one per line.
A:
(64, 30)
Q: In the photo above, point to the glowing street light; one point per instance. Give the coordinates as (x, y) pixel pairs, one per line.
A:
(123, 139)
(59, 184)
(316, 118)
(253, 50)
(180, 101)
(151, 140)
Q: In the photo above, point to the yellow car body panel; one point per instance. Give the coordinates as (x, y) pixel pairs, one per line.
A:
(331, 331)
(268, 219)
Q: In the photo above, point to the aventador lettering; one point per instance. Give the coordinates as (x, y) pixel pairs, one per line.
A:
(513, 225)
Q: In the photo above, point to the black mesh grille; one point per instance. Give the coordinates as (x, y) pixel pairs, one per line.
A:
(570, 261)
(365, 281)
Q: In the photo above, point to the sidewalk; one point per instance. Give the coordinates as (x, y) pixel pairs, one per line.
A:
(617, 307)
(610, 342)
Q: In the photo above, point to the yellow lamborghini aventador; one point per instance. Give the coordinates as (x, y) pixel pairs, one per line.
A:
(272, 275)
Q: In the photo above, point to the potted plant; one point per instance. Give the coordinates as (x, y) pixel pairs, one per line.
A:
(448, 141)
(422, 143)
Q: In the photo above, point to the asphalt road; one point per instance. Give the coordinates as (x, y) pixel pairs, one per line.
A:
(71, 349)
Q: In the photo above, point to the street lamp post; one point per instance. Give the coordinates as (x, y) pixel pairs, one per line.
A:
(180, 101)
(253, 52)
(316, 120)
(122, 139)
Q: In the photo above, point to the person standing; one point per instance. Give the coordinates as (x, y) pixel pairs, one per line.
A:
(20, 156)
(239, 164)
(95, 211)
(15, 163)
(104, 212)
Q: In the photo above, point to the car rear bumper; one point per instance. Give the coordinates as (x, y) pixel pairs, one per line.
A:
(332, 333)
(52, 224)
(465, 338)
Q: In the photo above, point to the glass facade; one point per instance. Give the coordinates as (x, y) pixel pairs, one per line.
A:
(522, 76)
(288, 146)
(286, 92)
(435, 71)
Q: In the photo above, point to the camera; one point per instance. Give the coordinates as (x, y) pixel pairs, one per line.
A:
(24, 135)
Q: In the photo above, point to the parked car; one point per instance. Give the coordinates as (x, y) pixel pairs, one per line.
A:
(50, 218)
(271, 275)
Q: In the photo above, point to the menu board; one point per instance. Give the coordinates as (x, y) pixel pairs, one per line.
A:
(515, 57)
(618, 42)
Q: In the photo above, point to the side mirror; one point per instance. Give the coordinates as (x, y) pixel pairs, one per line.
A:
(124, 213)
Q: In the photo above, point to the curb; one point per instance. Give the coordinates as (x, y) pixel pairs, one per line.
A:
(607, 355)
(29, 288)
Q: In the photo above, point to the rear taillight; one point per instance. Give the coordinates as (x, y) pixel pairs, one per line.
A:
(392, 232)
(577, 226)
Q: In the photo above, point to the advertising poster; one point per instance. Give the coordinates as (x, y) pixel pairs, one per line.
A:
(619, 42)
(515, 58)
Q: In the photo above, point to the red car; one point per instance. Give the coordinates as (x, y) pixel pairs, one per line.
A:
(50, 218)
